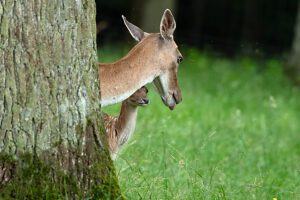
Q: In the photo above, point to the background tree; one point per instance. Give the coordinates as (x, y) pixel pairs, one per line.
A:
(238, 27)
(150, 21)
(251, 26)
(52, 143)
(293, 64)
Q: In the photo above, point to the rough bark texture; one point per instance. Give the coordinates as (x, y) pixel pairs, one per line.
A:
(51, 142)
(293, 64)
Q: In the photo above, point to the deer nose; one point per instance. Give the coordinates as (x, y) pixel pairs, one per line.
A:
(177, 97)
(179, 59)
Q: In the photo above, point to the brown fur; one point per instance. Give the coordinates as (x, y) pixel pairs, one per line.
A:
(119, 129)
(155, 56)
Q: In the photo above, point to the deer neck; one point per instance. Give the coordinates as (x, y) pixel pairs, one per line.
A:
(121, 79)
(126, 122)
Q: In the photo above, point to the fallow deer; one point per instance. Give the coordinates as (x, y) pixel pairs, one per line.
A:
(119, 129)
(154, 59)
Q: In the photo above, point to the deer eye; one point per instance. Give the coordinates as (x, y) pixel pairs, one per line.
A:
(179, 59)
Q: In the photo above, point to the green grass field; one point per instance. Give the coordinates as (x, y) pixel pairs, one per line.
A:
(235, 135)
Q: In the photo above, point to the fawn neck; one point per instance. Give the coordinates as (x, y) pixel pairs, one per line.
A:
(122, 78)
(126, 121)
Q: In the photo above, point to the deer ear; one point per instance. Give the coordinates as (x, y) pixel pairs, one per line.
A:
(167, 25)
(137, 33)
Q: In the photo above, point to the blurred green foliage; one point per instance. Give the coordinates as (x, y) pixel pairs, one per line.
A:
(235, 135)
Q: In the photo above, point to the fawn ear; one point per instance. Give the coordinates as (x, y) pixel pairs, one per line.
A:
(137, 33)
(167, 25)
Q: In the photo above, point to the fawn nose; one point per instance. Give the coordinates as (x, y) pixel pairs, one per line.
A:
(146, 101)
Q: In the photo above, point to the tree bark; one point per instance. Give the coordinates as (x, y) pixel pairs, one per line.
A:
(52, 141)
(292, 68)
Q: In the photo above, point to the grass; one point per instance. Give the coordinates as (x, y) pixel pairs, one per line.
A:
(235, 135)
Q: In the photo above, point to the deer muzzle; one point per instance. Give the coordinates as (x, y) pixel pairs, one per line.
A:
(172, 99)
(177, 97)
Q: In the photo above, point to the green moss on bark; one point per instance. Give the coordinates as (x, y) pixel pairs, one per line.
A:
(28, 176)
(109, 187)
(30, 179)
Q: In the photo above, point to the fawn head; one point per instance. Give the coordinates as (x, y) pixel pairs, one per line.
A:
(164, 56)
(139, 98)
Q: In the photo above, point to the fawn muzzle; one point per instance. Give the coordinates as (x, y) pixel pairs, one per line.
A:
(145, 102)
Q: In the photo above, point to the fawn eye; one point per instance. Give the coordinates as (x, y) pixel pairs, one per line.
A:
(179, 59)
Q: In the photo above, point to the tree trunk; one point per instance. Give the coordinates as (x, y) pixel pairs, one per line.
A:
(52, 141)
(293, 65)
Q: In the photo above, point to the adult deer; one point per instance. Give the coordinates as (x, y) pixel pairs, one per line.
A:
(119, 129)
(154, 59)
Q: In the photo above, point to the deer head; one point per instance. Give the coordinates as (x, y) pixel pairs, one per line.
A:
(139, 98)
(164, 57)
